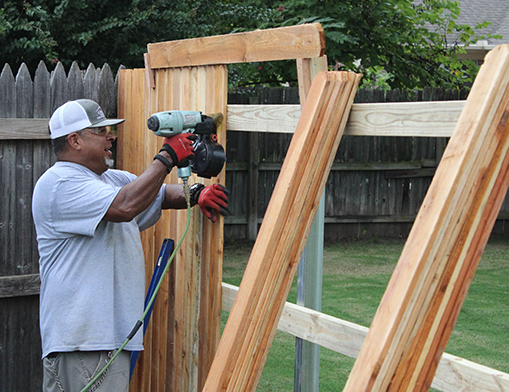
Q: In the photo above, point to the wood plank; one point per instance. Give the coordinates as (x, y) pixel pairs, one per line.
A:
(24, 93)
(344, 337)
(19, 285)
(42, 92)
(7, 93)
(425, 294)
(212, 239)
(251, 326)
(283, 43)
(177, 348)
(425, 119)
(24, 128)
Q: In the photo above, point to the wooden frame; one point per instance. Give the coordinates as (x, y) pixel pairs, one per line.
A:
(189, 84)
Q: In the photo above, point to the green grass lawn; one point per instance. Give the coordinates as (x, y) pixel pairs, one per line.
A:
(355, 277)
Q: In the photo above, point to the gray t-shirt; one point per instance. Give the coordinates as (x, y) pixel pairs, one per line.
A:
(92, 271)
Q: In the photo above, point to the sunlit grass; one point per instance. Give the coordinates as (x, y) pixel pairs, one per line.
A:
(355, 277)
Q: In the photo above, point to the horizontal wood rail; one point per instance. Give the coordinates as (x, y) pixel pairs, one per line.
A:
(283, 43)
(19, 285)
(422, 119)
(453, 374)
(426, 119)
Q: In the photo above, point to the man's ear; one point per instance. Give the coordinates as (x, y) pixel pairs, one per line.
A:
(75, 141)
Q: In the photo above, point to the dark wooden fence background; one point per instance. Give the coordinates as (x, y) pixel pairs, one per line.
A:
(375, 188)
(21, 164)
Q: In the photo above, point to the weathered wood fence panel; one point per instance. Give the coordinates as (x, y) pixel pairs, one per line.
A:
(22, 162)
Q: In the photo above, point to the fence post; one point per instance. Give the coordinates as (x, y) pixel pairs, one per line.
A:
(307, 355)
(253, 175)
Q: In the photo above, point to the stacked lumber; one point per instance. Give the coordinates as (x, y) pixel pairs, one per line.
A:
(423, 299)
(249, 331)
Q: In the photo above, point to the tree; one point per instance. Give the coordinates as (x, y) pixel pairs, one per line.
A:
(113, 31)
(407, 43)
(404, 42)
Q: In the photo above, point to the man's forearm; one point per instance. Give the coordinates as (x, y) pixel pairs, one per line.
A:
(136, 196)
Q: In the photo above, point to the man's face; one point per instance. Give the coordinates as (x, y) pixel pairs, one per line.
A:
(97, 149)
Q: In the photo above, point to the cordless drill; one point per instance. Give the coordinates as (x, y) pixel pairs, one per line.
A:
(209, 156)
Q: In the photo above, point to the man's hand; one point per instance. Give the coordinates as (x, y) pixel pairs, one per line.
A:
(212, 200)
(180, 147)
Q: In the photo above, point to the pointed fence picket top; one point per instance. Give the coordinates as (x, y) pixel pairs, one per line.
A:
(24, 97)
(74, 83)
(7, 93)
(58, 84)
(107, 95)
(24, 93)
(90, 82)
(42, 92)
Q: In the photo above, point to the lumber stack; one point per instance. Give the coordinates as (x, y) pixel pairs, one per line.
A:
(423, 299)
(253, 320)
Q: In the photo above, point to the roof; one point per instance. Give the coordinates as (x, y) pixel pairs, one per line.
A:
(494, 11)
(473, 12)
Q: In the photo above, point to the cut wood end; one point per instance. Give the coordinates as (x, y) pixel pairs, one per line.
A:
(496, 51)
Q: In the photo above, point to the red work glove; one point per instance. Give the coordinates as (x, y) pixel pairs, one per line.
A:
(212, 200)
(180, 147)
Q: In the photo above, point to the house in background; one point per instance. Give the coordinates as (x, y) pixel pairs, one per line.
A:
(477, 11)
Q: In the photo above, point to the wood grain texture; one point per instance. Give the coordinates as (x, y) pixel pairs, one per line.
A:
(250, 328)
(282, 43)
(425, 119)
(422, 119)
(453, 373)
(418, 311)
(178, 348)
(19, 285)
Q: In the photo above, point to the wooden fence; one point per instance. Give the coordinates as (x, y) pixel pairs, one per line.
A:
(24, 156)
(375, 187)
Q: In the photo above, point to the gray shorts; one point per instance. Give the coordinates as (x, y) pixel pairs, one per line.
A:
(72, 371)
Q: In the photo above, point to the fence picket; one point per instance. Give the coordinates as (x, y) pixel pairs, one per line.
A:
(24, 93)
(74, 83)
(7, 93)
(58, 81)
(90, 83)
(42, 92)
(107, 94)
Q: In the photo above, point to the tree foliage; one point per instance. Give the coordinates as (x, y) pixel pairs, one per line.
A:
(394, 43)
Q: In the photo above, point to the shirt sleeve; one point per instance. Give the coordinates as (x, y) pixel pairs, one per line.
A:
(80, 204)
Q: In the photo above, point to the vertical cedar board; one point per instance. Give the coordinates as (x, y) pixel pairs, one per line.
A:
(167, 362)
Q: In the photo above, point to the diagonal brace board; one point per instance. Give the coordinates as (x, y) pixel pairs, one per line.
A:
(423, 299)
(249, 331)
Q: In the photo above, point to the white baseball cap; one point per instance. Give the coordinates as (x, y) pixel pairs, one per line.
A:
(73, 116)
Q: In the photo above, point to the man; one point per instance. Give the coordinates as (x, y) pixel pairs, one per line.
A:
(88, 218)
